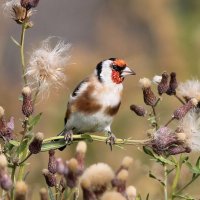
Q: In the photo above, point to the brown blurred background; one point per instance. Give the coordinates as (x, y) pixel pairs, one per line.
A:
(152, 36)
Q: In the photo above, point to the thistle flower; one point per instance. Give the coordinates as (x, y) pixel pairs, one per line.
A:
(139, 110)
(189, 89)
(49, 177)
(131, 192)
(163, 85)
(99, 175)
(46, 65)
(112, 196)
(27, 106)
(148, 95)
(190, 126)
(182, 111)
(172, 84)
(17, 12)
(52, 167)
(20, 190)
(36, 144)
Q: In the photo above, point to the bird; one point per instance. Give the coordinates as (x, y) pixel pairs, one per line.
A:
(96, 100)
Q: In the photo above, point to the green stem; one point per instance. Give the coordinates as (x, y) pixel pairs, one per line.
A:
(165, 182)
(36, 94)
(177, 176)
(186, 185)
(179, 99)
(13, 180)
(155, 116)
(25, 159)
(22, 52)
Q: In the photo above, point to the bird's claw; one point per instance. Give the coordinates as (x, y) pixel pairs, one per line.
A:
(111, 140)
(68, 137)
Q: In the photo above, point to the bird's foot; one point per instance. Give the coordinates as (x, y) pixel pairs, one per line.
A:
(68, 136)
(111, 140)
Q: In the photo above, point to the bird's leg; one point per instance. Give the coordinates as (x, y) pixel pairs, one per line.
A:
(111, 139)
(68, 136)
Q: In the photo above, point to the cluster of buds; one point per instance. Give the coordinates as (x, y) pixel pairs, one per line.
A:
(6, 128)
(70, 171)
(100, 181)
(5, 180)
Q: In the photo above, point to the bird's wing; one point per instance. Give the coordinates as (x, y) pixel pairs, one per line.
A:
(75, 94)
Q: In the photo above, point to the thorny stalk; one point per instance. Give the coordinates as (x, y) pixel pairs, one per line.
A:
(165, 182)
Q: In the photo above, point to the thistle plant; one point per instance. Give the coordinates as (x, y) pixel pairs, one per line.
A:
(167, 145)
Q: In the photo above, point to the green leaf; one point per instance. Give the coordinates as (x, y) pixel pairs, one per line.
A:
(53, 145)
(33, 121)
(194, 169)
(51, 194)
(148, 151)
(184, 197)
(198, 162)
(147, 198)
(15, 41)
(22, 147)
(20, 98)
(138, 197)
(154, 177)
(14, 143)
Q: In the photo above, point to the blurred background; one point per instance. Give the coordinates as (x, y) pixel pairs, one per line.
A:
(152, 36)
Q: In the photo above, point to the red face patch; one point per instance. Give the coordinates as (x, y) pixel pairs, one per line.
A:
(116, 77)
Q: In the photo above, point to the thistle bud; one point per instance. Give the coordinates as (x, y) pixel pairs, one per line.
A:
(5, 181)
(86, 187)
(2, 112)
(27, 106)
(172, 84)
(28, 4)
(80, 155)
(43, 194)
(52, 167)
(183, 110)
(20, 190)
(139, 110)
(131, 192)
(49, 177)
(36, 144)
(163, 85)
(127, 162)
(148, 95)
(60, 167)
(72, 175)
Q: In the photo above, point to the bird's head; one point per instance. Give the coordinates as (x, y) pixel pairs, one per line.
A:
(113, 70)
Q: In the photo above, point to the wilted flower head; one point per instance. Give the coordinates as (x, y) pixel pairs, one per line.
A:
(189, 89)
(28, 4)
(163, 85)
(46, 65)
(190, 126)
(139, 110)
(14, 9)
(173, 84)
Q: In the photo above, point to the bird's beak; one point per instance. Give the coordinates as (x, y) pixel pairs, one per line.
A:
(127, 71)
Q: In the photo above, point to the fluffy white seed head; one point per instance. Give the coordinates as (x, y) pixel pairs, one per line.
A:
(21, 188)
(85, 183)
(39, 136)
(189, 89)
(157, 79)
(181, 136)
(194, 101)
(81, 147)
(98, 175)
(127, 161)
(2, 112)
(145, 83)
(123, 175)
(3, 161)
(190, 125)
(112, 196)
(8, 5)
(47, 65)
(131, 192)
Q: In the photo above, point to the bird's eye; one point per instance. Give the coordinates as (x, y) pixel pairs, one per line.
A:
(115, 67)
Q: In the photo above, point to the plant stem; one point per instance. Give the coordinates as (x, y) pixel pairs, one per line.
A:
(172, 119)
(27, 157)
(22, 52)
(179, 99)
(165, 182)
(185, 186)
(177, 176)
(13, 180)
(154, 113)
